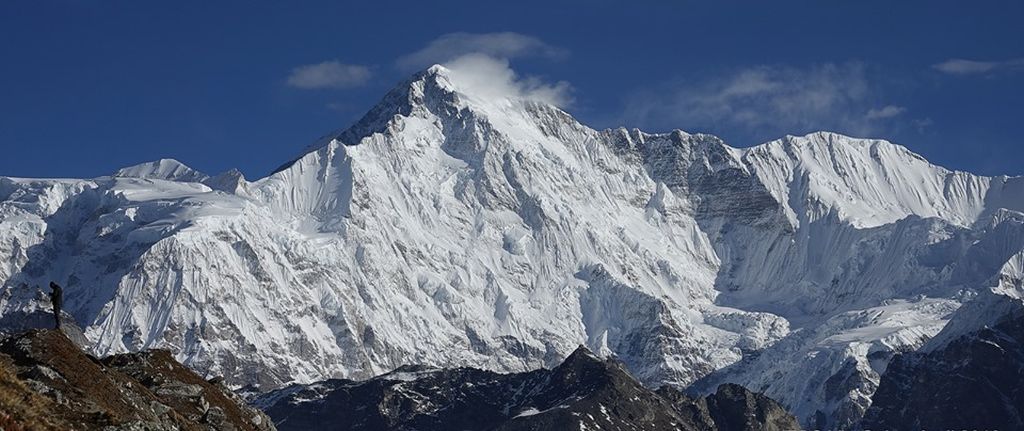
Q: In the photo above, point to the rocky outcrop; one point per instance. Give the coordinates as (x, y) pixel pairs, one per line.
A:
(584, 392)
(46, 382)
(732, 407)
(974, 382)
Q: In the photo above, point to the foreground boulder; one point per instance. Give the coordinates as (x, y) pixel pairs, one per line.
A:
(584, 392)
(46, 382)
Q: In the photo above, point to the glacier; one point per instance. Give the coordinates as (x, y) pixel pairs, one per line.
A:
(452, 227)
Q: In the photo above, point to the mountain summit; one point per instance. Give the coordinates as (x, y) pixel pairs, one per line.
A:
(455, 227)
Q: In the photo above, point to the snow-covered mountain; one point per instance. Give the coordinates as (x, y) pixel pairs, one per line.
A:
(451, 227)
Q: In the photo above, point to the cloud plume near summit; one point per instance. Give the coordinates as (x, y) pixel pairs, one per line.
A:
(490, 77)
(506, 45)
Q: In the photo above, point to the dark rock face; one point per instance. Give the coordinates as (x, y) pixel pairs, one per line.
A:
(848, 411)
(975, 382)
(732, 408)
(735, 408)
(584, 392)
(46, 382)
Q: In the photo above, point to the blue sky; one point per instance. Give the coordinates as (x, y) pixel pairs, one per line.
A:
(89, 86)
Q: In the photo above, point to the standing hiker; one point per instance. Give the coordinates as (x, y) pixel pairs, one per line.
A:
(57, 298)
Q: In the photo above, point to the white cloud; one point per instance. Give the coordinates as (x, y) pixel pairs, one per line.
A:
(487, 77)
(765, 100)
(959, 66)
(329, 74)
(498, 45)
(479, 65)
(887, 111)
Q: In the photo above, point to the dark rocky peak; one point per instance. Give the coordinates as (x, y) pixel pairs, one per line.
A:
(228, 181)
(584, 392)
(582, 364)
(731, 408)
(736, 408)
(975, 382)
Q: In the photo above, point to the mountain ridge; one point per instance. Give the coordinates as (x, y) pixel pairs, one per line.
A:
(583, 392)
(503, 233)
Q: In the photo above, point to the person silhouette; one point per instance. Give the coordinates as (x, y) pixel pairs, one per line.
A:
(57, 299)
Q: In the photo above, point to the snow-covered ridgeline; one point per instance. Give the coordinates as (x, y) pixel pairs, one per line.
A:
(448, 228)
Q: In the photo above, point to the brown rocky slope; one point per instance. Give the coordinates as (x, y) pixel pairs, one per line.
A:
(48, 383)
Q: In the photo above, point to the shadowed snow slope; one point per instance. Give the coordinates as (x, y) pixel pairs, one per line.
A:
(449, 229)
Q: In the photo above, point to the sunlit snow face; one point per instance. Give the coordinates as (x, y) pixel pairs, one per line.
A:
(491, 78)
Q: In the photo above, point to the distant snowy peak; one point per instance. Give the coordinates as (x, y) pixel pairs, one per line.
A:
(230, 181)
(866, 182)
(872, 182)
(163, 169)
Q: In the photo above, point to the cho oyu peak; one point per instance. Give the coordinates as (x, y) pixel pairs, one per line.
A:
(449, 228)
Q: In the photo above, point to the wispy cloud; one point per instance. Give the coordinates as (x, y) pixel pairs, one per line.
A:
(887, 111)
(767, 99)
(922, 124)
(503, 45)
(489, 77)
(329, 74)
(959, 66)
